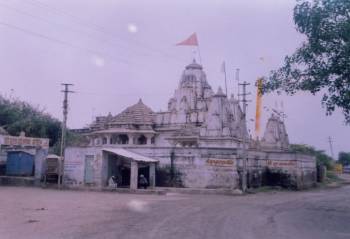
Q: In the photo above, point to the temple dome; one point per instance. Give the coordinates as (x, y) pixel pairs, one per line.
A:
(194, 77)
(138, 113)
(194, 65)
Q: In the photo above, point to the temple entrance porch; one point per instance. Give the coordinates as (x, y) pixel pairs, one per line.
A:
(127, 167)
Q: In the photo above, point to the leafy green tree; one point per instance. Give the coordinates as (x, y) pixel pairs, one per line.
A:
(17, 116)
(344, 158)
(321, 156)
(322, 63)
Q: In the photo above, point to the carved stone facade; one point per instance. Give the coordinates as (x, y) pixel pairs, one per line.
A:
(199, 135)
(275, 136)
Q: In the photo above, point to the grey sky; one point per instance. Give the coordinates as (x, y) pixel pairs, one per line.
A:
(117, 51)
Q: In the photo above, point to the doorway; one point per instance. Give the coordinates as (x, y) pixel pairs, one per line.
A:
(119, 167)
(144, 170)
(89, 170)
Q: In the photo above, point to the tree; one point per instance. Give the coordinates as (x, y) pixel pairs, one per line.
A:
(321, 157)
(322, 63)
(17, 116)
(344, 158)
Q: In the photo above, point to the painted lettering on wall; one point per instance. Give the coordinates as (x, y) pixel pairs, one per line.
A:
(71, 166)
(281, 163)
(220, 162)
(25, 141)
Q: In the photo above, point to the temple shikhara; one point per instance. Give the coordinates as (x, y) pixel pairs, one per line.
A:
(196, 142)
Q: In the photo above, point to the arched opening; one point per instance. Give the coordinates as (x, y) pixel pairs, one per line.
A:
(114, 139)
(97, 141)
(142, 140)
(104, 140)
(120, 139)
(123, 139)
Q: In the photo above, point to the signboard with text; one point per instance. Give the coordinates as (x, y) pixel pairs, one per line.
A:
(24, 141)
(281, 163)
(220, 162)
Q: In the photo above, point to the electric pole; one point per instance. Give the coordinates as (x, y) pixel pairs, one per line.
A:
(66, 91)
(244, 136)
(330, 141)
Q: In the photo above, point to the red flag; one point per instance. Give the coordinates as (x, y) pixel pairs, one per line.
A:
(191, 41)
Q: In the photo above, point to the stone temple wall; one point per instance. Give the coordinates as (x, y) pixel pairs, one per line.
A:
(292, 170)
(203, 167)
(198, 168)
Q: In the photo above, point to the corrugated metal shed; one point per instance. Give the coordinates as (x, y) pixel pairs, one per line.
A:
(19, 163)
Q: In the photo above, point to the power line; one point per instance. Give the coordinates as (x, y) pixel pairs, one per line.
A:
(91, 36)
(19, 11)
(65, 43)
(98, 28)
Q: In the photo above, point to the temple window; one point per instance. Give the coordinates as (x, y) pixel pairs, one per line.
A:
(123, 139)
(142, 140)
(114, 139)
(104, 140)
(153, 140)
(190, 78)
(119, 139)
(97, 141)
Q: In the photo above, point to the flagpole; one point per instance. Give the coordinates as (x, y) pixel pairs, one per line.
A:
(237, 79)
(192, 41)
(199, 55)
(225, 79)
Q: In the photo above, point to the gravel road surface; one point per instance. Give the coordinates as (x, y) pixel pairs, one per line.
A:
(46, 213)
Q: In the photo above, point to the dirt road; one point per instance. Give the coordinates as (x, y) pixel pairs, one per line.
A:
(38, 213)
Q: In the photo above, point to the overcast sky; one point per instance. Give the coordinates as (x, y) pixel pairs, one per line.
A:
(117, 51)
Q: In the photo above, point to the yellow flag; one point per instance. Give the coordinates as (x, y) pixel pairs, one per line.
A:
(258, 106)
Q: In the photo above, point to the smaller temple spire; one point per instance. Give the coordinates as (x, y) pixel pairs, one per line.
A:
(220, 92)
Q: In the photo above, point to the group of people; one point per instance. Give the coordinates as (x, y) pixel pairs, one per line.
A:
(142, 182)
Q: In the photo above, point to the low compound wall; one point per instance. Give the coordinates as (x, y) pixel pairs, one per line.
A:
(286, 169)
(203, 168)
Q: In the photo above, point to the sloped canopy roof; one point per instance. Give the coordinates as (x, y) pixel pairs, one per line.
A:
(130, 155)
(53, 156)
(139, 114)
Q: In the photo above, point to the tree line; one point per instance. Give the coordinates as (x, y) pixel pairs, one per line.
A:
(17, 116)
(321, 156)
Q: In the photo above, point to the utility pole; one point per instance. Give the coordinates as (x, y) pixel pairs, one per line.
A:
(244, 136)
(66, 91)
(330, 141)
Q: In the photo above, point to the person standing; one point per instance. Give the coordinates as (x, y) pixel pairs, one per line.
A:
(143, 181)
